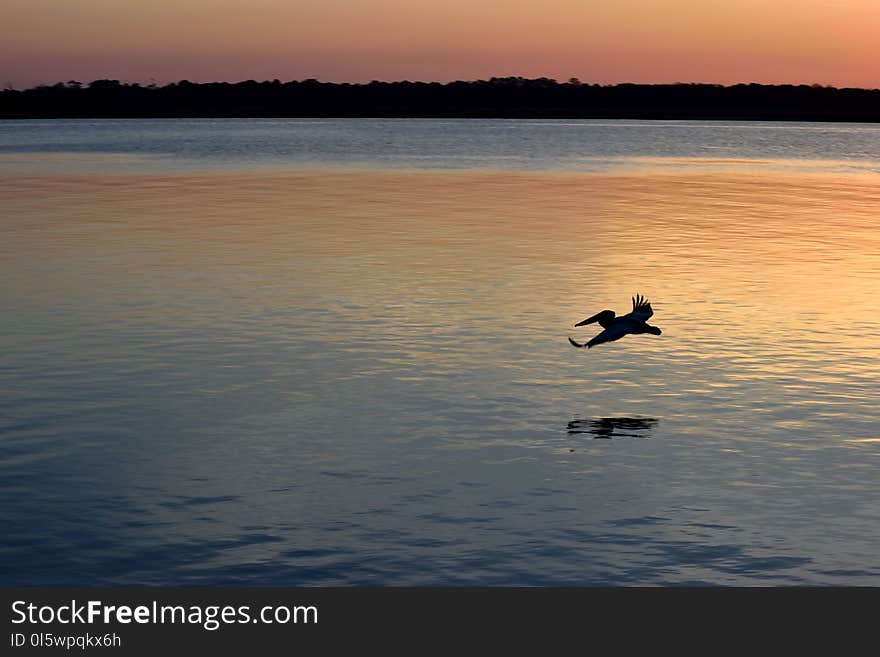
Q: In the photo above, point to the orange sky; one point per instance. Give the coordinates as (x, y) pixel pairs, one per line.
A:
(772, 41)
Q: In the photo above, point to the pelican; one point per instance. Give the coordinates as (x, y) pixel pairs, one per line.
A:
(616, 327)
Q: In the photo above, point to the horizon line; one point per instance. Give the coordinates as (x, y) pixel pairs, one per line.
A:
(574, 81)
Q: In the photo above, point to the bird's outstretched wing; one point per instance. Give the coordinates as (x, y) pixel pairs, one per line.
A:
(641, 309)
(605, 319)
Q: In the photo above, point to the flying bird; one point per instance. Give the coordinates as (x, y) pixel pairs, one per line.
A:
(617, 327)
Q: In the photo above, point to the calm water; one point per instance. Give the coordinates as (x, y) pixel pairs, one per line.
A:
(334, 353)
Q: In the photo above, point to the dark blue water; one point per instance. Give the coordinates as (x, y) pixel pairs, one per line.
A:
(511, 145)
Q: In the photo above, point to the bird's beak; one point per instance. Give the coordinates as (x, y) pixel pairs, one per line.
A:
(581, 323)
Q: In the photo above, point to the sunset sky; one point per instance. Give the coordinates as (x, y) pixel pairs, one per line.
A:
(832, 42)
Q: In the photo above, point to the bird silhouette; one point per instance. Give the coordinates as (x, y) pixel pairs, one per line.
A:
(615, 327)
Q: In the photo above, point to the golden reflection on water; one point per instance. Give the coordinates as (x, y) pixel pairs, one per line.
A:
(777, 235)
(775, 273)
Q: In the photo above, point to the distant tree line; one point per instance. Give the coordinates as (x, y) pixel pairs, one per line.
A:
(508, 97)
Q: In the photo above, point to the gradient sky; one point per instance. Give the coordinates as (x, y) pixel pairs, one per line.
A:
(770, 41)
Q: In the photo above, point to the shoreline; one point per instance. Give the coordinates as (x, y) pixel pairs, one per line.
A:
(496, 98)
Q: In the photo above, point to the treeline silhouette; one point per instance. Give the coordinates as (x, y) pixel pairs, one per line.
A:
(508, 97)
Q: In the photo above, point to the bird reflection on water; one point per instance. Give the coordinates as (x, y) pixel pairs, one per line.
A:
(610, 427)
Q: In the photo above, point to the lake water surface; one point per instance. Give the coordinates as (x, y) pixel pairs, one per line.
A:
(303, 352)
